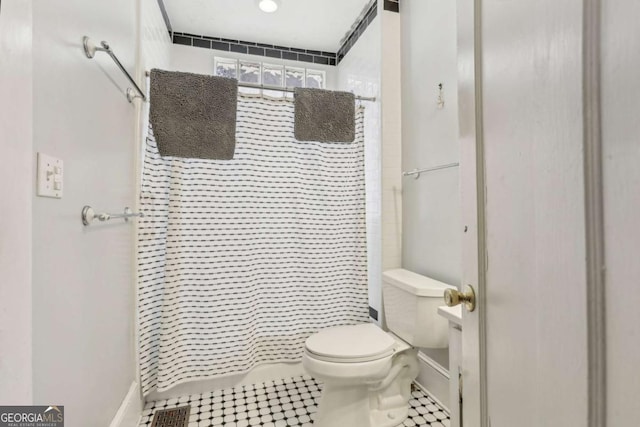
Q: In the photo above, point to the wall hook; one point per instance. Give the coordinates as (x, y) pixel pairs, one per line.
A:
(440, 100)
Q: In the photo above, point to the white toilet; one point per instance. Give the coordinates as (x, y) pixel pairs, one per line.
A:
(367, 372)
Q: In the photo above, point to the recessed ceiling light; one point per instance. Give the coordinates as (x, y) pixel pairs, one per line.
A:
(268, 6)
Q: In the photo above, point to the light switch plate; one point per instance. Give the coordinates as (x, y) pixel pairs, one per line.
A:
(50, 182)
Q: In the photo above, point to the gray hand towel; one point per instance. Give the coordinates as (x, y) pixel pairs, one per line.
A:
(324, 115)
(193, 115)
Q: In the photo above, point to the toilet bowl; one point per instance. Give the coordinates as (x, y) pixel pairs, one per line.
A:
(367, 372)
(367, 375)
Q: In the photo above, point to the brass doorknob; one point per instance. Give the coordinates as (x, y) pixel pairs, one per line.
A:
(453, 297)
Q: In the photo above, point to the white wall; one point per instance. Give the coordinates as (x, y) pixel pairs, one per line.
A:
(359, 72)
(431, 204)
(16, 175)
(83, 292)
(621, 152)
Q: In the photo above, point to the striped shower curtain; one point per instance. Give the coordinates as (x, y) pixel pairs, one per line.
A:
(239, 261)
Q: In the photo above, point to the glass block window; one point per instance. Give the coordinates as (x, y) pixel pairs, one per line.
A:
(315, 79)
(250, 72)
(269, 74)
(294, 77)
(226, 68)
(272, 75)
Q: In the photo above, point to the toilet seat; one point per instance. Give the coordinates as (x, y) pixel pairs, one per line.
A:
(351, 344)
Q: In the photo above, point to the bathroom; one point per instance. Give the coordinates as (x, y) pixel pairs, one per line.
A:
(497, 146)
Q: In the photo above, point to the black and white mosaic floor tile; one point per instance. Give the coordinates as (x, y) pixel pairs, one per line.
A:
(279, 403)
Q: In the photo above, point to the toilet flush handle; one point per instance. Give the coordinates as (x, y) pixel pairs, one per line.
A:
(453, 297)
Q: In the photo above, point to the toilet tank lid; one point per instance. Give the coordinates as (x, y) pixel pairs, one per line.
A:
(415, 283)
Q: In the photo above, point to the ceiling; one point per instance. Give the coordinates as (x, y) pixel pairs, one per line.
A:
(308, 24)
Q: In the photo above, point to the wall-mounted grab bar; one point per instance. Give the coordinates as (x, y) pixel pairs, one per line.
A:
(417, 172)
(89, 215)
(90, 50)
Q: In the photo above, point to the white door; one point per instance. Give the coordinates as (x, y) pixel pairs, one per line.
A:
(620, 106)
(536, 323)
(525, 252)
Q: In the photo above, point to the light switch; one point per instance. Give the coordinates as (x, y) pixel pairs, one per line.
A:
(50, 176)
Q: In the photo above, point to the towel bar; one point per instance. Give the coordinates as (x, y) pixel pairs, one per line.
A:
(90, 50)
(89, 215)
(417, 172)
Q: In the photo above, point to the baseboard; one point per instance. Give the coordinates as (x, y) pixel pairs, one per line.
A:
(128, 414)
(434, 380)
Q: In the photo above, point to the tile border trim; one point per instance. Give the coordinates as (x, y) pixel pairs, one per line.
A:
(357, 30)
(392, 5)
(255, 48)
(165, 16)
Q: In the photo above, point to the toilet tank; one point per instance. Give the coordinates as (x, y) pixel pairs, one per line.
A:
(411, 304)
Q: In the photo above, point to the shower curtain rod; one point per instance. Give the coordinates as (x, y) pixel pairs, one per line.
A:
(285, 89)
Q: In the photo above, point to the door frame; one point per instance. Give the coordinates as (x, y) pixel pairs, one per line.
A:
(474, 411)
(594, 215)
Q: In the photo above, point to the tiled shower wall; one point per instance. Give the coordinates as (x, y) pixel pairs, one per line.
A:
(155, 39)
(392, 184)
(359, 71)
(155, 52)
(372, 67)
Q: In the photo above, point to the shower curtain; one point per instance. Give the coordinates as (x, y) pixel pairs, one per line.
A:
(239, 261)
